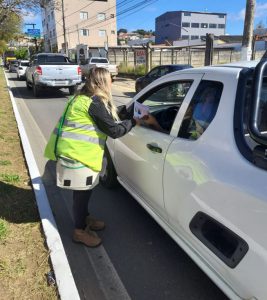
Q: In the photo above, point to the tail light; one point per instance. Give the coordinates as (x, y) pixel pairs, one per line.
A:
(38, 70)
(79, 70)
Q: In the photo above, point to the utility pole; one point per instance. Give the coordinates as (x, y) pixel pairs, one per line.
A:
(64, 28)
(248, 31)
(209, 49)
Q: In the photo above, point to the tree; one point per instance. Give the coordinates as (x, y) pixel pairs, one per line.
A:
(10, 26)
(21, 53)
(122, 30)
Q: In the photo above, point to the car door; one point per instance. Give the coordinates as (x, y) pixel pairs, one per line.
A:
(139, 155)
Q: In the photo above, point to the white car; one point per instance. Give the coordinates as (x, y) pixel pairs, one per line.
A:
(203, 176)
(21, 69)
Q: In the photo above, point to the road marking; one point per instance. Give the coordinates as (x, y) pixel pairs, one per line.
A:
(64, 279)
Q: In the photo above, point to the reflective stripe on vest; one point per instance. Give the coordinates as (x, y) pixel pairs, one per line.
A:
(80, 137)
(90, 127)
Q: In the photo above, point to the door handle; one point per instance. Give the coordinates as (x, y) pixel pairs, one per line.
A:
(154, 148)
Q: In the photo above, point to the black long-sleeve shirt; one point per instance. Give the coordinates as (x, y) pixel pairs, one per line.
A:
(105, 121)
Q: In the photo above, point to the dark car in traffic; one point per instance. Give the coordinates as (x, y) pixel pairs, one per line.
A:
(156, 73)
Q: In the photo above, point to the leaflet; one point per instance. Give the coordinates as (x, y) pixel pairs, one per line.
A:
(140, 110)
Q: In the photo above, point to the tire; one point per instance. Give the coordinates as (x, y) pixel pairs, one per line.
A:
(72, 90)
(28, 85)
(108, 175)
(36, 90)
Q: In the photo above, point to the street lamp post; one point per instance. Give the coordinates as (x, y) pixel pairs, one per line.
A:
(188, 40)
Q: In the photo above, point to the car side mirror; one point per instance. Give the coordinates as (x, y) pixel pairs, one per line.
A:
(254, 122)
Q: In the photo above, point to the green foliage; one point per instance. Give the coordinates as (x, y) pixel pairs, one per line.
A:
(138, 70)
(3, 229)
(122, 30)
(10, 26)
(21, 53)
(10, 178)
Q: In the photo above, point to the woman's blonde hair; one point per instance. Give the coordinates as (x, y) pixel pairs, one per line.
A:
(97, 84)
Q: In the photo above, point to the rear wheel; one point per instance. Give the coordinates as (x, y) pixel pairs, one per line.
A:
(72, 90)
(36, 90)
(28, 85)
(108, 175)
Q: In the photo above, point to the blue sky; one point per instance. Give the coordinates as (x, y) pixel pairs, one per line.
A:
(145, 18)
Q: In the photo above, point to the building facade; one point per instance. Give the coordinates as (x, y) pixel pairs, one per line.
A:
(87, 23)
(188, 25)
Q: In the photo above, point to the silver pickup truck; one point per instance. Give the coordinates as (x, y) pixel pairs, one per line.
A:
(52, 70)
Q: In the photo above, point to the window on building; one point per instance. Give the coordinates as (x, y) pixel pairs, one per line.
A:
(83, 15)
(102, 33)
(185, 37)
(47, 26)
(185, 24)
(221, 26)
(187, 14)
(101, 17)
(112, 15)
(221, 16)
(48, 17)
(84, 32)
(194, 25)
(194, 37)
(112, 31)
(50, 34)
(52, 15)
(204, 25)
(212, 25)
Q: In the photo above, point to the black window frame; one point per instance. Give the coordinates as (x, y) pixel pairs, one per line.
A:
(195, 25)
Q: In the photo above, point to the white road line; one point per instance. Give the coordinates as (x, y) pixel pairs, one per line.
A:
(64, 279)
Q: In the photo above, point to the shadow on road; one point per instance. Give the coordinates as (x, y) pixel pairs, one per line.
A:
(44, 93)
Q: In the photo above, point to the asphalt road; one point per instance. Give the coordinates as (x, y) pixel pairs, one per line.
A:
(137, 260)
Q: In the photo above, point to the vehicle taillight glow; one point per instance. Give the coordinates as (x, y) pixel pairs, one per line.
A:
(39, 70)
(79, 71)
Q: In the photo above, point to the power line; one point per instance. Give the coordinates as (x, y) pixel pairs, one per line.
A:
(122, 3)
(138, 6)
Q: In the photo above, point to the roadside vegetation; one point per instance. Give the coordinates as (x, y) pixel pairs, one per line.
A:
(137, 71)
(24, 258)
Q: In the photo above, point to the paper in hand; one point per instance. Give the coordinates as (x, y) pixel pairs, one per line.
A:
(140, 110)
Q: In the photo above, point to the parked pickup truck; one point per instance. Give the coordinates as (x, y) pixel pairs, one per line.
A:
(99, 62)
(54, 71)
(200, 168)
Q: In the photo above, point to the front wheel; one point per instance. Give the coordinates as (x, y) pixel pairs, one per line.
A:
(108, 175)
(28, 85)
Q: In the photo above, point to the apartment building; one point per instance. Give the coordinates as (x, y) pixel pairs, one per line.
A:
(188, 25)
(87, 23)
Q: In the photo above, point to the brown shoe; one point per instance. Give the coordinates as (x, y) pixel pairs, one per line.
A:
(95, 224)
(86, 237)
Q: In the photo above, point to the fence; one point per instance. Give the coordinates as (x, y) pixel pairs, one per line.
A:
(195, 57)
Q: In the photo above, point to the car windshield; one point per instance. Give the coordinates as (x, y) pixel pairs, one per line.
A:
(99, 60)
(24, 64)
(52, 59)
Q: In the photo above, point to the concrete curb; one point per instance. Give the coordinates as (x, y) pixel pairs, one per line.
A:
(64, 279)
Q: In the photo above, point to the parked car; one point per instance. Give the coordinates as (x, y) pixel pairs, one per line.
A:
(203, 178)
(53, 70)
(21, 69)
(156, 73)
(100, 62)
(13, 64)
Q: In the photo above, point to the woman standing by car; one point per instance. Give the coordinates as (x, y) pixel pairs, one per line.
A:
(78, 144)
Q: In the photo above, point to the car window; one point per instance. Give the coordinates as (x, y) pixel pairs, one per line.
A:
(153, 73)
(99, 60)
(164, 102)
(163, 71)
(51, 59)
(201, 110)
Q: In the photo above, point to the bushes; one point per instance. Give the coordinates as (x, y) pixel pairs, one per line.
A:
(138, 70)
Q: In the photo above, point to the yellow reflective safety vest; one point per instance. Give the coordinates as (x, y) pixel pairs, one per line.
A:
(79, 138)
